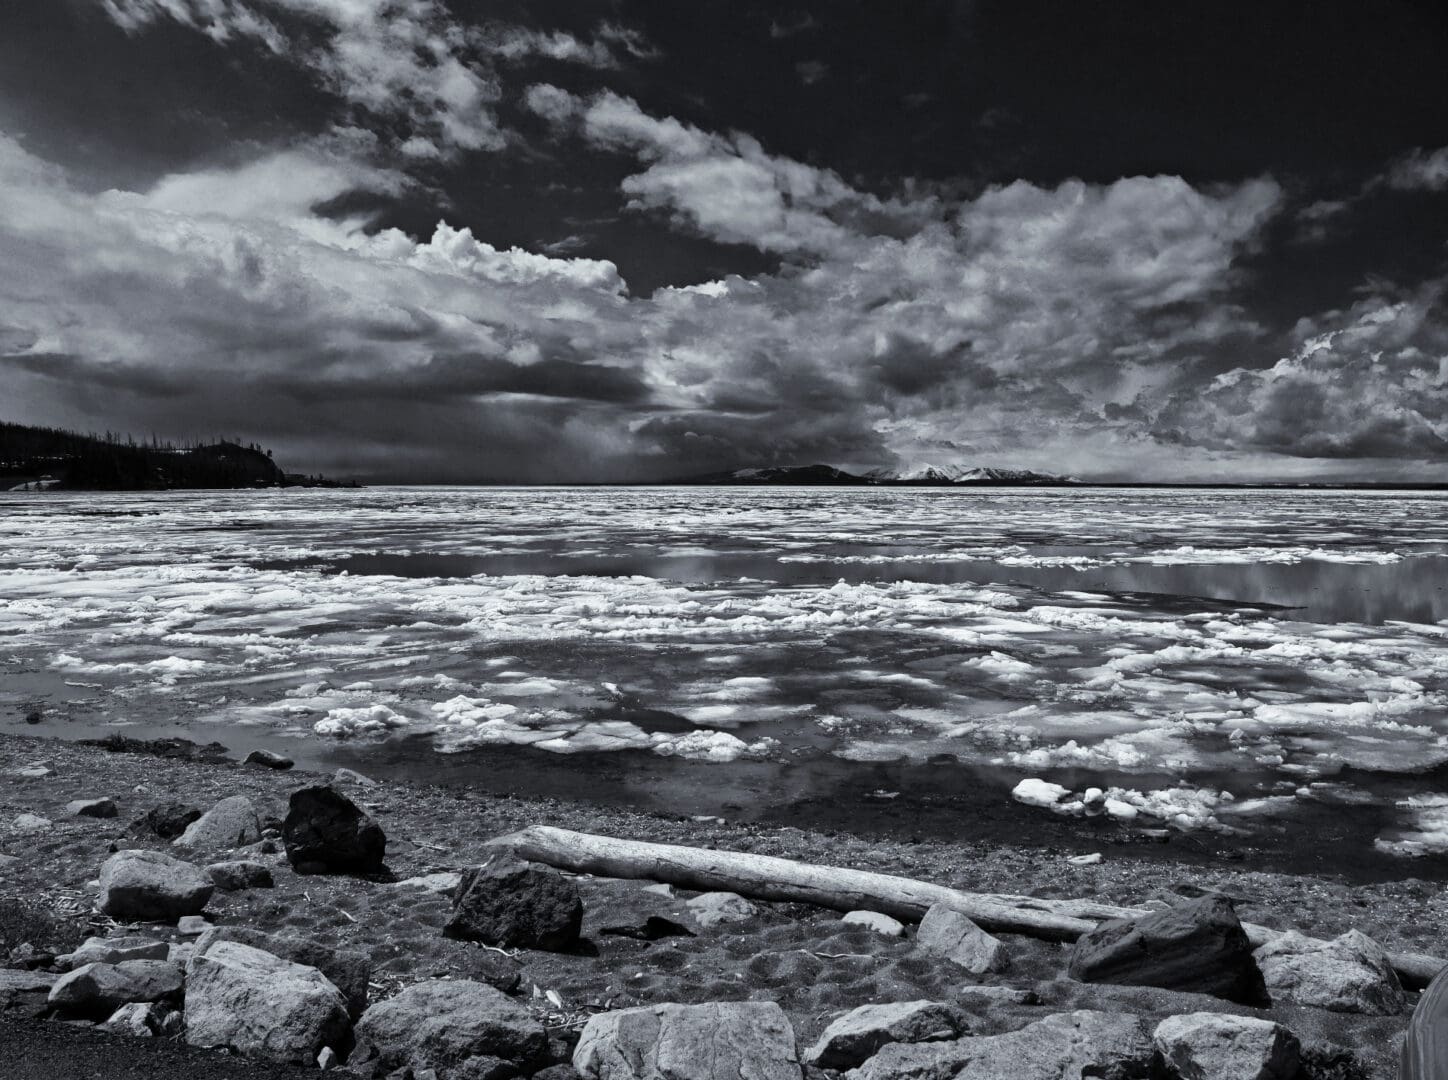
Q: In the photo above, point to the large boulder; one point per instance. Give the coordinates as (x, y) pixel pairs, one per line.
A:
(1198, 946)
(1350, 973)
(326, 832)
(97, 990)
(457, 1028)
(719, 1040)
(1067, 1046)
(229, 824)
(152, 886)
(946, 933)
(508, 902)
(260, 1005)
(24, 992)
(1222, 1046)
(349, 970)
(99, 950)
(857, 1035)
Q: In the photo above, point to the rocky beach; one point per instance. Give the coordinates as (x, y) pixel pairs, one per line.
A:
(170, 894)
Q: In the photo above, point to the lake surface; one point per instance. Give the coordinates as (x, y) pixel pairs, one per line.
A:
(1228, 663)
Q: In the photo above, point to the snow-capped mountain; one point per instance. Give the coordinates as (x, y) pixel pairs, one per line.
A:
(960, 474)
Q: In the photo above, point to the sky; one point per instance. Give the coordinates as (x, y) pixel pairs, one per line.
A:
(460, 241)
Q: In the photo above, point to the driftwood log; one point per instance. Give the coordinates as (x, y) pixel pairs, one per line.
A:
(767, 877)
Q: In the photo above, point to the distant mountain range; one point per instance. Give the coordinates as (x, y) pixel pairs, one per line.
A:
(913, 476)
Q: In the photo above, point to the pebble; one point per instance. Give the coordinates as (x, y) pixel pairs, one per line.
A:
(1085, 860)
(192, 925)
(30, 823)
(876, 921)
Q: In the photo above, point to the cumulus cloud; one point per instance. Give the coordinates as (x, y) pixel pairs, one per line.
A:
(408, 63)
(1367, 382)
(1419, 171)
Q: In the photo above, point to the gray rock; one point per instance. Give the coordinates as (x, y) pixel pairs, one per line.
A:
(327, 1059)
(1067, 1046)
(96, 808)
(192, 925)
(97, 990)
(326, 832)
(268, 760)
(349, 776)
(720, 1040)
(717, 908)
(1223, 1046)
(874, 920)
(515, 904)
(1197, 946)
(948, 934)
(854, 1037)
(237, 874)
(983, 997)
(1350, 973)
(99, 950)
(29, 823)
(139, 1019)
(349, 970)
(150, 885)
(25, 992)
(260, 1005)
(457, 1028)
(229, 824)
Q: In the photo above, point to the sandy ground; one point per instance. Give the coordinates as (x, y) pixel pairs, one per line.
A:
(801, 956)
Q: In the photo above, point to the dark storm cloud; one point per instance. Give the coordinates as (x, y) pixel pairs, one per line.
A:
(545, 245)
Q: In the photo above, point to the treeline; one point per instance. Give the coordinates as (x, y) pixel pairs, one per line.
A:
(116, 462)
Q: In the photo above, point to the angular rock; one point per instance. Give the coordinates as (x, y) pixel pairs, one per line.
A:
(237, 874)
(192, 925)
(150, 885)
(1350, 973)
(717, 908)
(457, 1028)
(719, 1040)
(99, 950)
(874, 920)
(1198, 946)
(1069, 1046)
(260, 1005)
(350, 776)
(326, 832)
(167, 821)
(268, 760)
(515, 904)
(349, 970)
(29, 823)
(857, 1035)
(1224, 1046)
(948, 934)
(96, 808)
(139, 1019)
(97, 990)
(229, 824)
(24, 991)
(983, 997)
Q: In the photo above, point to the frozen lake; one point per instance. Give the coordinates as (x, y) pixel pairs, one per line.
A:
(1228, 662)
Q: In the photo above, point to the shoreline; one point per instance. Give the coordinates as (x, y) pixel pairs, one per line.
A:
(440, 830)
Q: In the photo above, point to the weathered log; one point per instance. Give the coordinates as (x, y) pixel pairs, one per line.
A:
(767, 877)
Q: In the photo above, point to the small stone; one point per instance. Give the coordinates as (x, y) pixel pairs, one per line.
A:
(268, 760)
(237, 874)
(96, 808)
(979, 997)
(660, 888)
(1085, 860)
(1224, 1046)
(136, 1019)
(30, 823)
(718, 908)
(949, 934)
(327, 1059)
(35, 771)
(349, 776)
(167, 821)
(444, 881)
(192, 925)
(877, 921)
